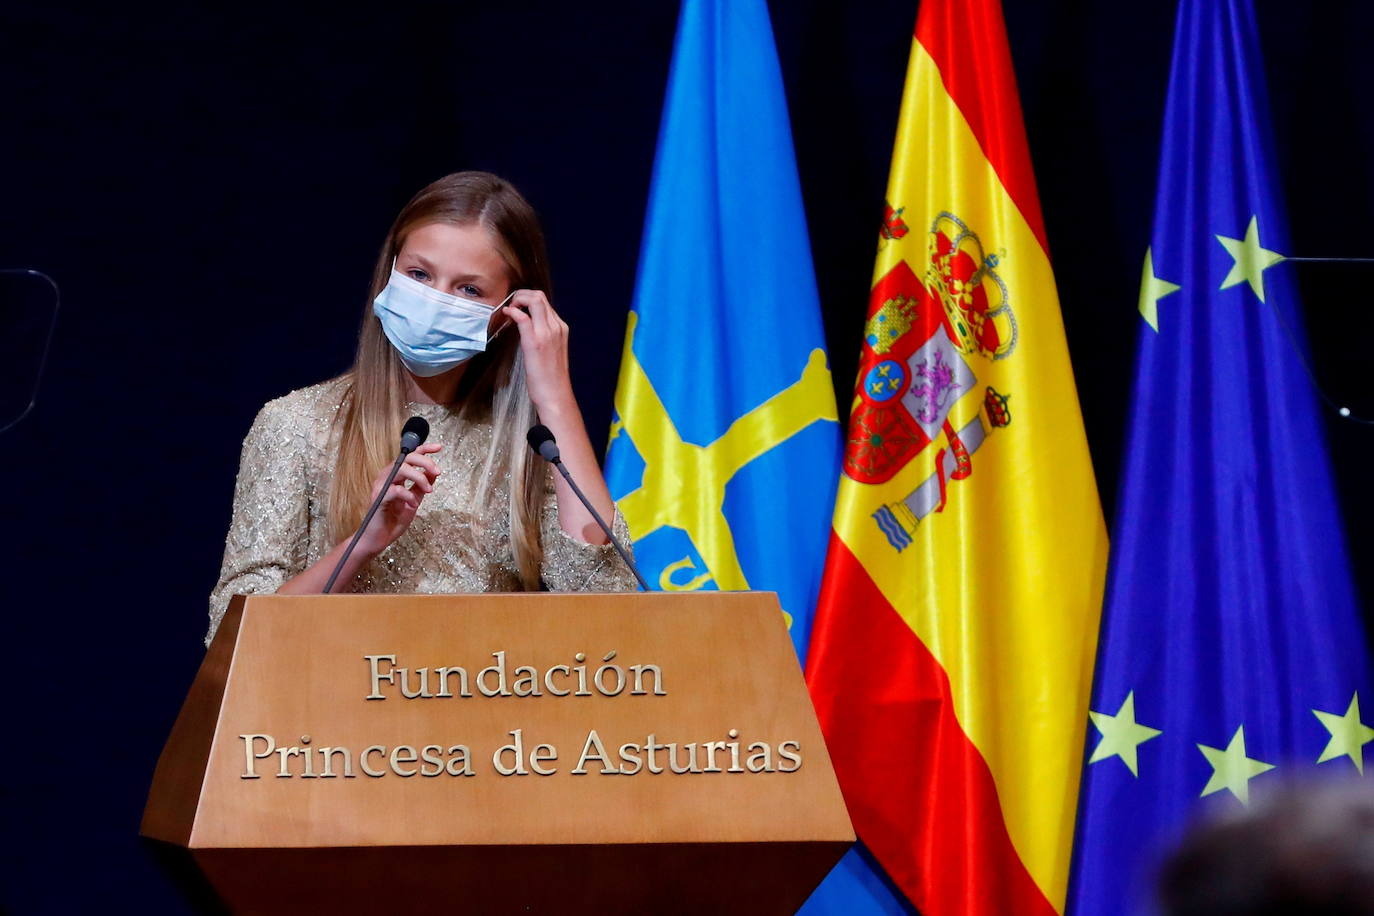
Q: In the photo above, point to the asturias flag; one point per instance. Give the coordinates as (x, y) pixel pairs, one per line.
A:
(952, 653)
(1232, 649)
(725, 441)
(726, 446)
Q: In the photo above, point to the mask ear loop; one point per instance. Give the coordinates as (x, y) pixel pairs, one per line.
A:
(501, 330)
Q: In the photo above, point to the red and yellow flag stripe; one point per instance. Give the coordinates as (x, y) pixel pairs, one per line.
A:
(951, 657)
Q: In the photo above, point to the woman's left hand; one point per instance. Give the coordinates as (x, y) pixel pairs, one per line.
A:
(544, 341)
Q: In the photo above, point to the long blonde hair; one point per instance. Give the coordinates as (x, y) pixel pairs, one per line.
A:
(368, 423)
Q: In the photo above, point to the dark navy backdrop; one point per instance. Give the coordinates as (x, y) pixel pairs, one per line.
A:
(210, 188)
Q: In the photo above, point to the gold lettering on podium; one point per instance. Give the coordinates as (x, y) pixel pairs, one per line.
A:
(511, 759)
(386, 678)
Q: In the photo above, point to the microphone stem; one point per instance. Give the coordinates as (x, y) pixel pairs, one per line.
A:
(602, 522)
(357, 535)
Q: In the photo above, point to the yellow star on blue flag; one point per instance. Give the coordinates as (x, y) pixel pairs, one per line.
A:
(1250, 259)
(1348, 734)
(1121, 735)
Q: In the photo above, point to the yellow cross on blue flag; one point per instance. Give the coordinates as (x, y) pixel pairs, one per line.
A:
(725, 446)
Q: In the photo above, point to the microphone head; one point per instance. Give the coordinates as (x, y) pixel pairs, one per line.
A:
(541, 440)
(414, 434)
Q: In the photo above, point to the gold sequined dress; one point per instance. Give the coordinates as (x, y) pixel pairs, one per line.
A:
(279, 525)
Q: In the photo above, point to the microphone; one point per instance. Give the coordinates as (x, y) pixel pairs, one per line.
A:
(413, 435)
(541, 440)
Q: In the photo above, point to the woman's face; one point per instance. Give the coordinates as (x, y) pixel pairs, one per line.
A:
(460, 260)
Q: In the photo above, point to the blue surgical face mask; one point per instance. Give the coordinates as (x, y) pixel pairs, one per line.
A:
(432, 331)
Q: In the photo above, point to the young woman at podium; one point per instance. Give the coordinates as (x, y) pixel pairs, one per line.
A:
(459, 330)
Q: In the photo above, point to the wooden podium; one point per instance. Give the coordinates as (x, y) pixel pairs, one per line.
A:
(503, 753)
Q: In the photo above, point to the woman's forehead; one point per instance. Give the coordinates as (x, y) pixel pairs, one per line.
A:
(466, 249)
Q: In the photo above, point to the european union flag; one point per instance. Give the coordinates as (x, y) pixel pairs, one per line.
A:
(1232, 653)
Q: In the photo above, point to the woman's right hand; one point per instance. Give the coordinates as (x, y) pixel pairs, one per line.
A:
(401, 502)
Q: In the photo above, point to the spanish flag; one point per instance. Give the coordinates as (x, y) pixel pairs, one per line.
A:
(952, 651)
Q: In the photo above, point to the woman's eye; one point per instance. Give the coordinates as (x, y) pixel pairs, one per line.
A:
(470, 292)
(416, 273)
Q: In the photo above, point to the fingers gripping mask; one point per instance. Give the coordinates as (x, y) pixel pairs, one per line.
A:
(432, 331)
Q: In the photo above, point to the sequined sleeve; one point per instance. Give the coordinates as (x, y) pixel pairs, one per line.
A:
(268, 534)
(571, 565)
